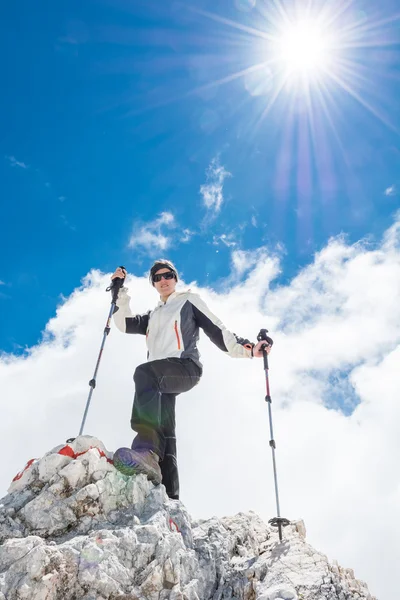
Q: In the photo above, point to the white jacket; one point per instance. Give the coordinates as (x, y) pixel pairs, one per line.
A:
(172, 328)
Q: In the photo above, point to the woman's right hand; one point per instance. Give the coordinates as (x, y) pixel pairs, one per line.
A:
(121, 273)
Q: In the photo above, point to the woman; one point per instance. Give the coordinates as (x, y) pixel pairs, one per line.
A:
(173, 367)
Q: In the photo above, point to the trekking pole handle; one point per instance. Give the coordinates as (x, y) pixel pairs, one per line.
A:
(116, 285)
(268, 342)
(263, 336)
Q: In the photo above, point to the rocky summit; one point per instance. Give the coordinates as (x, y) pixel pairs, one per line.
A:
(72, 527)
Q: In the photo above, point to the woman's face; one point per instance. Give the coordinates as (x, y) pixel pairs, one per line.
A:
(165, 287)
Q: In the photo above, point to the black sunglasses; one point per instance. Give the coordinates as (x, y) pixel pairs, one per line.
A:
(169, 275)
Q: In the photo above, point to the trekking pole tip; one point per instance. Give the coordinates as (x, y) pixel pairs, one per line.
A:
(279, 522)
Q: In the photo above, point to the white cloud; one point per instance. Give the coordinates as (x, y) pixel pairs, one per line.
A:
(228, 239)
(390, 191)
(2, 282)
(244, 260)
(187, 235)
(166, 218)
(336, 328)
(254, 221)
(16, 163)
(151, 235)
(212, 191)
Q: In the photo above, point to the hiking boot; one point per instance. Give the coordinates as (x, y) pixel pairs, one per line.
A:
(133, 462)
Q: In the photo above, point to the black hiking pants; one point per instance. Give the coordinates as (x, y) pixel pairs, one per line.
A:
(157, 383)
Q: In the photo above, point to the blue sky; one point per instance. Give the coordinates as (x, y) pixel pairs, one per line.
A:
(120, 119)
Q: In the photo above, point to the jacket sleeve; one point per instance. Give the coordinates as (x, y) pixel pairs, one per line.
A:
(123, 318)
(224, 339)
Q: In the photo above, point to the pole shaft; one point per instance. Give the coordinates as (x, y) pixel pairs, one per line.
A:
(272, 441)
(93, 381)
(274, 463)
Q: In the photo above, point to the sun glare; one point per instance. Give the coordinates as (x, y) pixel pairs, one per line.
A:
(303, 47)
(307, 55)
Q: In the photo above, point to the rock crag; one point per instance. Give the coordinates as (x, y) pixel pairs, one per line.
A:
(73, 528)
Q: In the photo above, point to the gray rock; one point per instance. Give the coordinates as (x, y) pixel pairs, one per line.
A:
(73, 528)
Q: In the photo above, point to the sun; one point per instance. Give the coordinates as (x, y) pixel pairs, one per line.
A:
(304, 47)
(307, 57)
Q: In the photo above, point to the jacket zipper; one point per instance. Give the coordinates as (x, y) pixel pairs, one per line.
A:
(177, 335)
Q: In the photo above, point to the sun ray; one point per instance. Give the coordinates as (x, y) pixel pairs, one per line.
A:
(239, 26)
(227, 78)
(345, 86)
(369, 25)
(311, 56)
(273, 99)
(353, 71)
(323, 96)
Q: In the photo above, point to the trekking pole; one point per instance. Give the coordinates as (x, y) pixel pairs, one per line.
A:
(277, 521)
(114, 288)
